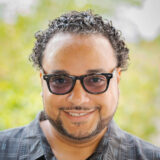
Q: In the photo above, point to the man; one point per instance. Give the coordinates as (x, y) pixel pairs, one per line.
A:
(80, 57)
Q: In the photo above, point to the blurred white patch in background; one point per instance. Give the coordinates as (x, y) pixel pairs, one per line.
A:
(139, 22)
(135, 22)
(9, 9)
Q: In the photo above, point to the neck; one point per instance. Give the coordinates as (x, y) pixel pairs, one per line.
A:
(67, 146)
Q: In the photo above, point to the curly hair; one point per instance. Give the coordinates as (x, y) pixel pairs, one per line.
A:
(81, 23)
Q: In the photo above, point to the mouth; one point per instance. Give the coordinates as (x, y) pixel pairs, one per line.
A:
(78, 116)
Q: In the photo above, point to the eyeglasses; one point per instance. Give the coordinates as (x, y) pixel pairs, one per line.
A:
(61, 84)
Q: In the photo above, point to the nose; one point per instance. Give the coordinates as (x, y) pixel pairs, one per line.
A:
(78, 96)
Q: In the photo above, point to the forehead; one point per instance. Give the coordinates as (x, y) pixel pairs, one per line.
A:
(78, 53)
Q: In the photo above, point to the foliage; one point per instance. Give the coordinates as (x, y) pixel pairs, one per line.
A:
(140, 90)
(20, 89)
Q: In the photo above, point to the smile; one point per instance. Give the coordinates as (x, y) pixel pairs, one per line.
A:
(77, 114)
(74, 115)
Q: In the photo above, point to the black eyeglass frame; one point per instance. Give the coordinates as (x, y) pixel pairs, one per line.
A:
(108, 76)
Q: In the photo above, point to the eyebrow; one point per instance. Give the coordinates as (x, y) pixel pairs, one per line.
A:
(60, 72)
(88, 71)
(96, 71)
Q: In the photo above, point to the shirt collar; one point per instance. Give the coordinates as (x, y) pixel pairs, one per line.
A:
(39, 145)
(110, 143)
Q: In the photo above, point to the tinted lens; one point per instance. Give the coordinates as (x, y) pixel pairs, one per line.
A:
(95, 83)
(60, 84)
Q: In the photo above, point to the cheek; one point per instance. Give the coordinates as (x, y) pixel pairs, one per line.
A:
(109, 101)
(50, 102)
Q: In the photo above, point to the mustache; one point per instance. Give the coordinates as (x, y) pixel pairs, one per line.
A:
(78, 108)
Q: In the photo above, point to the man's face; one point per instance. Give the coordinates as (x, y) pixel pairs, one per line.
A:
(84, 115)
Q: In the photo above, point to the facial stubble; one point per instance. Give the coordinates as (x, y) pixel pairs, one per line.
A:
(101, 124)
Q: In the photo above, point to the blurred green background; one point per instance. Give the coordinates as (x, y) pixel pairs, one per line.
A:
(20, 100)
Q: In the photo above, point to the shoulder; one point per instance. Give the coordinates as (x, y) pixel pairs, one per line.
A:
(10, 141)
(22, 142)
(12, 133)
(143, 149)
(131, 146)
(134, 146)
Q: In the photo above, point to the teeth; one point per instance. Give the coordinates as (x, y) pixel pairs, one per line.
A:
(77, 114)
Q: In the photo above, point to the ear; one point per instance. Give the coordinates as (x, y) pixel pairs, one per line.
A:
(118, 74)
(40, 75)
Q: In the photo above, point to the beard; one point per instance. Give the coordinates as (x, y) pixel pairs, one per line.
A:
(58, 125)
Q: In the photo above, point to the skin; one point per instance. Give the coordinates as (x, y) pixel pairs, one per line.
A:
(76, 54)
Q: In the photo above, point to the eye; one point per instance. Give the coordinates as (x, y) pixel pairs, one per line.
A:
(59, 80)
(95, 79)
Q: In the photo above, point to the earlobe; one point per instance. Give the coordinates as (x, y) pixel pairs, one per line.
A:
(118, 74)
(41, 94)
(40, 74)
